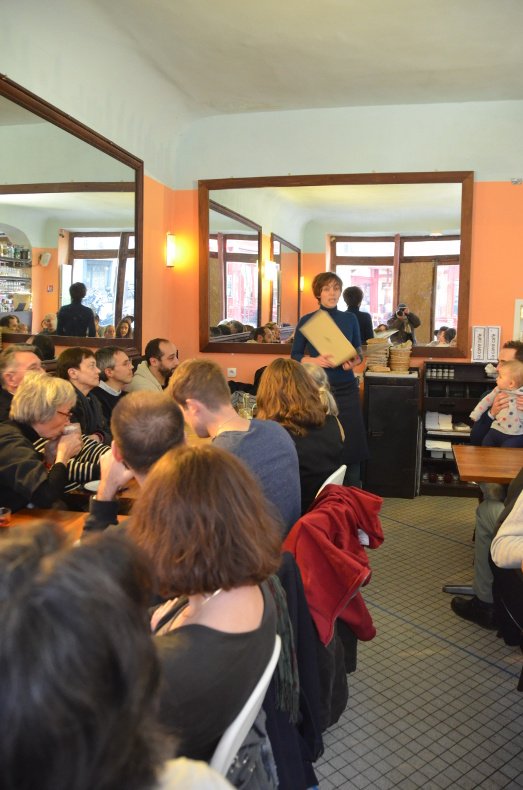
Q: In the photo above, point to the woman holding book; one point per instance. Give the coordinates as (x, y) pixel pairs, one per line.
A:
(327, 288)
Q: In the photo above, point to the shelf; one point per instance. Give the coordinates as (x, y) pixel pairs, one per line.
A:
(20, 262)
(439, 432)
(449, 489)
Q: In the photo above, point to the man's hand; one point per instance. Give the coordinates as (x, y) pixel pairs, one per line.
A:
(500, 402)
(519, 402)
(114, 475)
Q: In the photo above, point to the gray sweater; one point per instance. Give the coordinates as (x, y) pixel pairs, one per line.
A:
(269, 452)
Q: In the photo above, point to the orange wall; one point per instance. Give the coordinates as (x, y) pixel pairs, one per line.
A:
(42, 278)
(171, 296)
(497, 255)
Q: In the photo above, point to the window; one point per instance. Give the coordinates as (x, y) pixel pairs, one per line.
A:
(105, 263)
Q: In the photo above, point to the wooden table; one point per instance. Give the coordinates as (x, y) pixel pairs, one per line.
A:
(488, 464)
(71, 521)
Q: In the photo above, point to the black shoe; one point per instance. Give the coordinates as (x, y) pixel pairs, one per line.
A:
(476, 611)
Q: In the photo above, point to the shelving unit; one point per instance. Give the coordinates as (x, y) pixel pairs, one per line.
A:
(15, 279)
(450, 389)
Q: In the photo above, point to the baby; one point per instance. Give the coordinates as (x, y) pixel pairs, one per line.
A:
(507, 428)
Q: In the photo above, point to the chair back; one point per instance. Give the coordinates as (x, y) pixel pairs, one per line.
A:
(336, 478)
(236, 732)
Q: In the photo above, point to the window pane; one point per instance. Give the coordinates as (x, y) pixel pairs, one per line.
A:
(376, 282)
(128, 289)
(131, 242)
(447, 293)
(432, 247)
(241, 302)
(99, 276)
(243, 245)
(372, 249)
(213, 245)
(97, 242)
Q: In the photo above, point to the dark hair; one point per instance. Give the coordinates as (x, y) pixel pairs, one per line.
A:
(236, 326)
(71, 358)
(152, 349)
(353, 296)
(204, 523)
(119, 328)
(260, 330)
(4, 321)
(517, 345)
(449, 334)
(44, 345)
(105, 359)
(202, 380)
(322, 279)
(145, 425)
(77, 292)
(80, 673)
(288, 395)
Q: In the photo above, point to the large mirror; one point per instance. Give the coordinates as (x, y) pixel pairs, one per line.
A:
(401, 237)
(71, 201)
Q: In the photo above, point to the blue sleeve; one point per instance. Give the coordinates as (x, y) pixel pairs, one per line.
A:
(298, 344)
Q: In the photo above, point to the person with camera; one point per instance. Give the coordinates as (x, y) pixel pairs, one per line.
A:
(405, 322)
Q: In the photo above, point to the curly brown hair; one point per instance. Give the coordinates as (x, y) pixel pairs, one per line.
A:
(204, 523)
(288, 395)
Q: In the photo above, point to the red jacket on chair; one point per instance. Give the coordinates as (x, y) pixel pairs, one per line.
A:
(333, 563)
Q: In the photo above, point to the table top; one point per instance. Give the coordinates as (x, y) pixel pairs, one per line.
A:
(488, 464)
(71, 521)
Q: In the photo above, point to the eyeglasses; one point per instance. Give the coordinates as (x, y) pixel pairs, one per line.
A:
(67, 414)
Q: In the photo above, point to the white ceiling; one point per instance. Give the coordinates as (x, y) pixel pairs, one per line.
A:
(232, 56)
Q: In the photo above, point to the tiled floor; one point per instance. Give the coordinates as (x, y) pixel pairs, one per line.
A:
(433, 703)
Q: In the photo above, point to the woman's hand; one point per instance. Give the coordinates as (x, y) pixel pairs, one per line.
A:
(323, 360)
(68, 446)
(351, 363)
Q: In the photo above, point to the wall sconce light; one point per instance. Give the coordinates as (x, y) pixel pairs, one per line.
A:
(170, 251)
(302, 283)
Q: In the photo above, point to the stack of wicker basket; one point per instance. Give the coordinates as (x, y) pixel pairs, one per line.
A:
(378, 355)
(400, 357)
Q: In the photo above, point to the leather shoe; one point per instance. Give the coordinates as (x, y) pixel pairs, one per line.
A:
(476, 611)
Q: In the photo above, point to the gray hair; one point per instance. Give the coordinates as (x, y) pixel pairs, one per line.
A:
(39, 396)
(8, 359)
(319, 377)
(105, 359)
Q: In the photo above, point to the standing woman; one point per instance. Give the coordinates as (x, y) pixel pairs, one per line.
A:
(326, 287)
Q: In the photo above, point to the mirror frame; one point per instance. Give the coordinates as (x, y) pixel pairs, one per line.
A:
(463, 177)
(30, 101)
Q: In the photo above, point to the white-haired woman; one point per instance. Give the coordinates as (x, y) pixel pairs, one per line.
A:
(40, 408)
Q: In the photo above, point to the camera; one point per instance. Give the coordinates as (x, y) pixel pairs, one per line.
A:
(400, 313)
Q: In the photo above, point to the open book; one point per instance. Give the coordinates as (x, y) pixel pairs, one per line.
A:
(321, 332)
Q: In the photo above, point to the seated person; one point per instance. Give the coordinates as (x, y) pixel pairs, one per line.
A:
(236, 327)
(41, 407)
(512, 349)
(9, 323)
(15, 362)
(319, 377)
(450, 336)
(276, 331)
(288, 395)
(144, 426)
(204, 525)
(381, 328)
(200, 389)
(507, 427)
(78, 365)
(116, 372)
(124, 329)
(76, 319)
(507, 546)
(48, 324)
(406, 323)
(440, 337)
(262, 334)
(109, 331)
(43, 345)
(79, 711)
(161, 358)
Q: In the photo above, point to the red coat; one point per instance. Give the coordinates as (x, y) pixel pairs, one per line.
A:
(333, 563)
